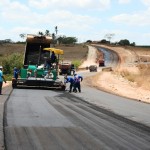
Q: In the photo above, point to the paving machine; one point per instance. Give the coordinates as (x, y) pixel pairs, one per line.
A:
(34, 71)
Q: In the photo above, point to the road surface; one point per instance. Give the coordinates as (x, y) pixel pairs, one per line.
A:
(54, 120)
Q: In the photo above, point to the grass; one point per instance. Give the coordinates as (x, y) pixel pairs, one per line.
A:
(76, 52)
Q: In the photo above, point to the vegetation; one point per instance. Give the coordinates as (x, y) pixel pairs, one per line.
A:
(66, 40)
(11, 61)
(124, 42)
(109, 36)
(76, 63)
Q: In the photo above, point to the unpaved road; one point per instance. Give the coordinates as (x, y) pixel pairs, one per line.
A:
(53, 120)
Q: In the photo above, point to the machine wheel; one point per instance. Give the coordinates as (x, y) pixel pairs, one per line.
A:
(14, 83)
(63, 87)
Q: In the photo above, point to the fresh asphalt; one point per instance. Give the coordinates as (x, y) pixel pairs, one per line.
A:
(49, 119)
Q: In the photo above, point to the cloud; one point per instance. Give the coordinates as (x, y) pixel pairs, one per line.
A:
(31, 23)
(138, 19)
(124, 1)
(146, 2)
(79, 4)
(12, 11)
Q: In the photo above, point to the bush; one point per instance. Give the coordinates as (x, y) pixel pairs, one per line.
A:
(76, 63)
(124, 42)
(11, 61)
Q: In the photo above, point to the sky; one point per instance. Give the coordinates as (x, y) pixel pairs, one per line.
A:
(83, 19)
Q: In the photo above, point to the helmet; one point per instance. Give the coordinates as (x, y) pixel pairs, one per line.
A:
(1, 67)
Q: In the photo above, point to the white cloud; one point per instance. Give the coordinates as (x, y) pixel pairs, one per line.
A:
(138, 19)
(13, 11)
(124, 1)
(31, 23)
(54, 4)
(146, 2)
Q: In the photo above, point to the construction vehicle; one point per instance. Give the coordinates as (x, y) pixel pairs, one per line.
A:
(37, 51)
(101, 62)
(93, 68)
(66, 68)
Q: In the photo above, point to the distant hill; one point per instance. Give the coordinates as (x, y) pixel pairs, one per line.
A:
(73, 52)
(7, 49)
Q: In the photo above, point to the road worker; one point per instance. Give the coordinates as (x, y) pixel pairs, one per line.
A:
(49, 75)
(77, 85)
(16, 73)
(1, 79)
(71, 81)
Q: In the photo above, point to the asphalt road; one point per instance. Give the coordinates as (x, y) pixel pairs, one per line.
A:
(110, 57)
(37, 119)
(55, 120)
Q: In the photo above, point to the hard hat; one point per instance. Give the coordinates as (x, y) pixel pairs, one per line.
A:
(1, 67)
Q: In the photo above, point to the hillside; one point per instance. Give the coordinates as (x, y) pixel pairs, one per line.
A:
(75, 52)
(131, 77)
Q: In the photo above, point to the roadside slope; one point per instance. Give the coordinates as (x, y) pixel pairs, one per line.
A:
(114, 83)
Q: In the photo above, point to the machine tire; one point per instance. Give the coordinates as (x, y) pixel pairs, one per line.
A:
(14, 85)
(63, 87)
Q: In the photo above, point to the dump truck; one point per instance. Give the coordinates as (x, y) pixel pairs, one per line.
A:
(66, 67)
(101, 62)
(33, 72)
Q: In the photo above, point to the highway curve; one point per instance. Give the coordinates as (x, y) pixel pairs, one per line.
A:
(111, 58)
(37, 119)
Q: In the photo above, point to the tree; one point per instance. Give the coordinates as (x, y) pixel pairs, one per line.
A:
(56, 30)
(124, 42)
(103, 41)
(88, 41)
(69, 40)
(22, 35)
(133, 44)
(60, 39)
(109, 36)
(40, 33)
(47, 33)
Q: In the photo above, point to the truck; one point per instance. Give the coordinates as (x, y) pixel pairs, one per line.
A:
(101, 62)
(93, 68)
(66, 67)
(32, 74)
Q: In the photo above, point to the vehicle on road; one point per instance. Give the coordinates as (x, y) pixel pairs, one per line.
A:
(93, 68)
(66, 68)
(101, 62)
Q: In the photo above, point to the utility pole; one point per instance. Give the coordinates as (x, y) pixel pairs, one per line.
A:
(56, 30)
